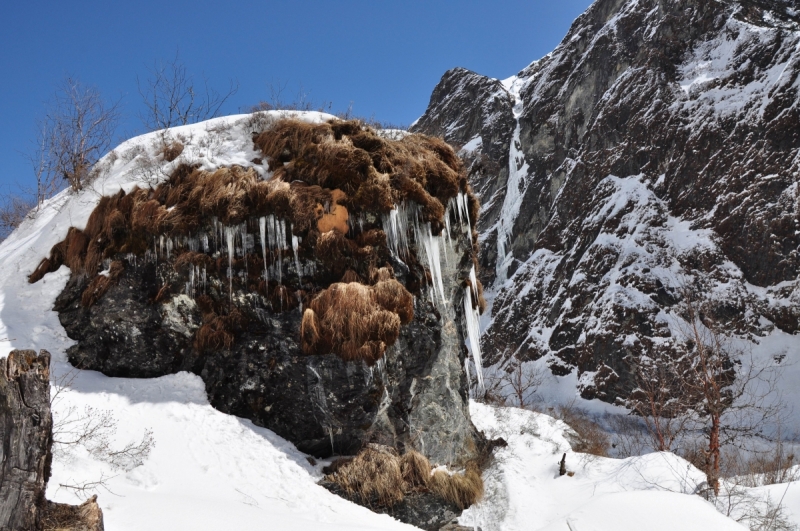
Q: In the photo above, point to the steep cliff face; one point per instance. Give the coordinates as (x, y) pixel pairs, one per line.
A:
(324, 289)
(654, 150)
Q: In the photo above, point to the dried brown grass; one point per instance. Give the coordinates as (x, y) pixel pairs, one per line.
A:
(373, 173)
(374, 475)
(172, 150)
(356, 321)
(378, 475)
(218, 332)
(461, 490)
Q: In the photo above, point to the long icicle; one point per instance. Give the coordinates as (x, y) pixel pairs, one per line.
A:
(472, 320)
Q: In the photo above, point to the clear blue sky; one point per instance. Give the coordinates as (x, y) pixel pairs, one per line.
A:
(384, 57)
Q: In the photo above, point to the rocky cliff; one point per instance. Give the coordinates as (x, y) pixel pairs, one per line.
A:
(324, 289)
(653, 152)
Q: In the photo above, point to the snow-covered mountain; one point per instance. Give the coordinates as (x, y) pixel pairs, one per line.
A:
(654, 150)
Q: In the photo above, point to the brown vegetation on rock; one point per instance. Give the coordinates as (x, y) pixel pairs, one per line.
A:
(378, 475)
(98, 287)
(356, 321)
(322, 175)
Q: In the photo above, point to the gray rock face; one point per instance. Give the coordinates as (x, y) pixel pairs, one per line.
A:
(654, 149)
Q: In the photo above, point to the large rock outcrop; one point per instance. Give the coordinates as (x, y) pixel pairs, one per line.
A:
(318, 291)
(653, 151)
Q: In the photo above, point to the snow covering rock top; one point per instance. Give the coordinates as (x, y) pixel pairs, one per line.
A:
(655, 149)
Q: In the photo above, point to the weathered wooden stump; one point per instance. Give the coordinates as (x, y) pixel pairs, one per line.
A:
(26, 434)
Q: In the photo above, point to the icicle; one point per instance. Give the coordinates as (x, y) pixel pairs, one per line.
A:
(295, 245)
(430, 244)
(472, 321)
(230, 235)
(262, 226)
(466, 369)
(463, 203)
(395, 225)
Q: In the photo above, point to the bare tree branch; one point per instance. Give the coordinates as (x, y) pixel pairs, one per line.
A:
(172, 98)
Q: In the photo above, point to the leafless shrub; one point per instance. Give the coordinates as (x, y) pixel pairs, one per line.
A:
(13, 210)
(94, 431)
(171, 96)
(77, 130)
(588, 436)
(758, 468)
(515, 384)
(629, 435)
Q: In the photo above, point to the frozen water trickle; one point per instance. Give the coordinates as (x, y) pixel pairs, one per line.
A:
(395, 225)
(295, 245)
(472, 321)
(230, 236)
(430, 244)
(262, 226)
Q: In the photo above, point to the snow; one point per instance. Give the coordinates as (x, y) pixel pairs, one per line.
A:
(525, 492)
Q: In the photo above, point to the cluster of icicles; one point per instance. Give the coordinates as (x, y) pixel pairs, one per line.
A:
(405, 218)
(236, 241)
(275, 235)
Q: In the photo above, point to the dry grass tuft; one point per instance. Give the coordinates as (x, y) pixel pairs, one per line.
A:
(461, 490)
(374, 475)
(379, 476)
(218, 331)
(355, 321)
(172, 150)
(416, 469)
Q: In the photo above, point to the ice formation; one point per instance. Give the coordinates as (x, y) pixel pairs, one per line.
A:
(472, 320)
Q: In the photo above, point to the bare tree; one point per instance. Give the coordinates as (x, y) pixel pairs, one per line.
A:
(78, 129)
(13, 210)
(518, 381)
(659, 401)
(707, 386)
(171, 96)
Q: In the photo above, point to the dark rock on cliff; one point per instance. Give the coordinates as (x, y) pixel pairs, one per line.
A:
(653, 150)
(26, 430)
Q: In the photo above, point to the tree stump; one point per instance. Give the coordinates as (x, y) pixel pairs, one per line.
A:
(26, 438)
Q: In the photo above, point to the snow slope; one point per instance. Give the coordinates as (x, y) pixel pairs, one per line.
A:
(525, 492)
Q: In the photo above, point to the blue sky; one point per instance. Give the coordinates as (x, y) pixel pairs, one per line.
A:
(384, 57)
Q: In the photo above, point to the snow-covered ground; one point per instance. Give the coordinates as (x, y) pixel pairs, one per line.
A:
(653, 492)
(211, 471)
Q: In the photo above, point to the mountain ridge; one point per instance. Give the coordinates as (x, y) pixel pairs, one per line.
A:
(681, 114)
